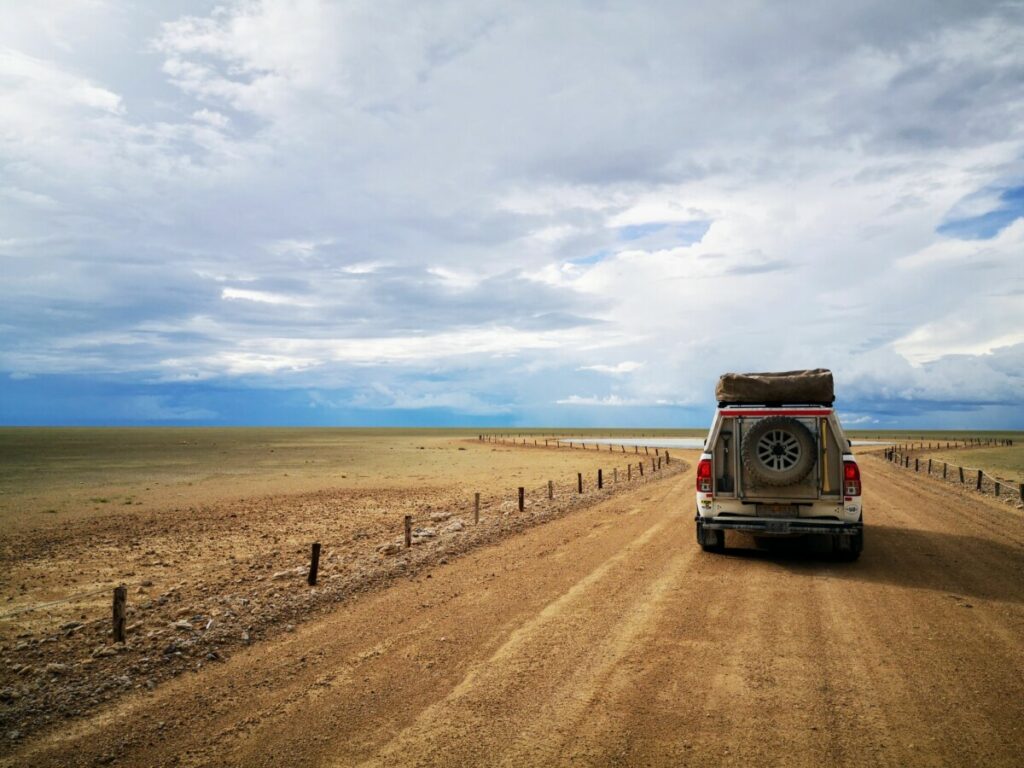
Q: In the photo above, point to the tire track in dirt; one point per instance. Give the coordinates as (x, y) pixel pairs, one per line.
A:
(551, 669)
(330, 689)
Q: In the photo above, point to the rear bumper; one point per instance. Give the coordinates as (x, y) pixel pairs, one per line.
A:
(780, 527)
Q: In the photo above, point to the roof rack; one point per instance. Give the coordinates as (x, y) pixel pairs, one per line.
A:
(824, 406)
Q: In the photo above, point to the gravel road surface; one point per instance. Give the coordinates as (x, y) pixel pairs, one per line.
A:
(608, 638)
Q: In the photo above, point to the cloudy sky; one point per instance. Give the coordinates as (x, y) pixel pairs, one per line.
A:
(551, 213)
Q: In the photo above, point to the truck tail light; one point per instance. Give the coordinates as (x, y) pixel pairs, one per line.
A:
(851, 478)
(704, 476)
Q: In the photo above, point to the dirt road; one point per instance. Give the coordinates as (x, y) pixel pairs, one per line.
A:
(608, 638)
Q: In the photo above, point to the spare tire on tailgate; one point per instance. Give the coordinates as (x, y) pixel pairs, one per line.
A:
(778, 450)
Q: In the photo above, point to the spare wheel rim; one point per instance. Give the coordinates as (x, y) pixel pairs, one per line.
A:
(778, 450)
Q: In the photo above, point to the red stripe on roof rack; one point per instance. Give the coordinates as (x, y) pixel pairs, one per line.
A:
(776, 412)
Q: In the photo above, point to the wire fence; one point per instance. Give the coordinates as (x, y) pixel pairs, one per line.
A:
(968, 477)
(552, 499)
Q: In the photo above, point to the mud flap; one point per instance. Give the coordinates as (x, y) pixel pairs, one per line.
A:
(709, 538)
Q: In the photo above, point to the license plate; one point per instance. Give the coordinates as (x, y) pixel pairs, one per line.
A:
(777, 526)
(777, 510)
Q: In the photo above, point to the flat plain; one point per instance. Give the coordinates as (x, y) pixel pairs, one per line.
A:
(586, 630)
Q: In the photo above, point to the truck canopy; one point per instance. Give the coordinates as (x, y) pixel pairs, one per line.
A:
(810, 387)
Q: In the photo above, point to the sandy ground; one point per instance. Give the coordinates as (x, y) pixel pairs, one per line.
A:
(606, 637)
(50, 478)
(207, 579)
(1004, 463)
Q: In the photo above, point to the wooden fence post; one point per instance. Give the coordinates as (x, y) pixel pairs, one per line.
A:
(640, 465)
(668, 459)
(408, 531)
(629, 471)
(600, 480)
(961, 475)
(522, 494)
(314, 564)
(929, 467)
(917, 465)
(120, 613)
(944, 467)
(615, 474)
(978, 486)
(997, 486)
(551, 489)
(476, 507)
(579, 482)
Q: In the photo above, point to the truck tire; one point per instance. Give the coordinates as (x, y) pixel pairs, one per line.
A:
(778, 451)
(852, 553)
(710, 541)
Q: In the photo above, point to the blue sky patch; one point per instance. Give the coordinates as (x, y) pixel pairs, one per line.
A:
(593, 258)
(636, 231)
(662, 234)
(987, 225)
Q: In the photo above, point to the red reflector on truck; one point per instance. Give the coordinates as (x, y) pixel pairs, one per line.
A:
(851, 478)
(704, 476)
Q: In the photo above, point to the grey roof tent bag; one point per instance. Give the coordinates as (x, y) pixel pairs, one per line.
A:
(813, 387)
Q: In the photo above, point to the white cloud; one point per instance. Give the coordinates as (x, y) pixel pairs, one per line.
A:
(216, 119)
(626, 366)
(295, 191)
(613, 401)
(264, 297)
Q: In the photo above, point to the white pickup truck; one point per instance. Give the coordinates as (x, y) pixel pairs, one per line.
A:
(776, 463)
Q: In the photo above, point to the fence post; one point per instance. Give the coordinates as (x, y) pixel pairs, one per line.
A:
(120, 613)
(551, 489)
(978, 486)
(579, 482)
(668, 459)
(615, 474)
(314, 564)
(929, 467)
(997, 487)
(961, 475)
(476, 507)
(522, 493)
(629, 471)
(600, 480)
(408, 531)
(944, 466)
(640, 465)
